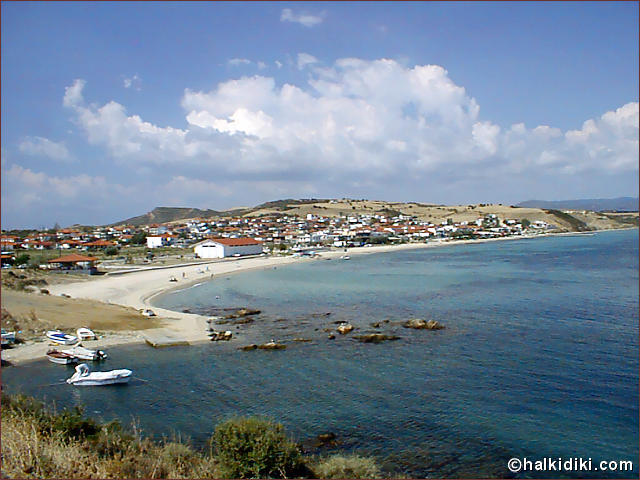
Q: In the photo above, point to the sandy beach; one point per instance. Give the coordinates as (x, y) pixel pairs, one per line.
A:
(136, 289)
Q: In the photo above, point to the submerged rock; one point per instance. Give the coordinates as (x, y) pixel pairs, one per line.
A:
(331, 336)
(242, 312)
(272, 346)
(246, 348)
(376, 338)
(420, 324)
(301, 339)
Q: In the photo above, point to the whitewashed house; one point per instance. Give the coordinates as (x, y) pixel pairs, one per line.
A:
(157, 241)
(227, 247)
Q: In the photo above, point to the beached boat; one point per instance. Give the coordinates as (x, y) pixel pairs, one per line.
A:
(62, 358)
(82, 353)
(345, 257)
(8, 338)
(61, 338)
(84, 377)
(147, 312)
(85, 334)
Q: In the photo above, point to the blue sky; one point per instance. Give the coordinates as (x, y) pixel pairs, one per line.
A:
(110, 109)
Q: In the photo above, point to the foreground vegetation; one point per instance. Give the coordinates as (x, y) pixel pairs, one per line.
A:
(39, 443)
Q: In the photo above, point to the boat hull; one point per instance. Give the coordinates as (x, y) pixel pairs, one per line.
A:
(94, 383)
(61, 338)
(62, 360)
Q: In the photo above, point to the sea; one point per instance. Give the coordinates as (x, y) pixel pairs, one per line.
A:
(539, 358)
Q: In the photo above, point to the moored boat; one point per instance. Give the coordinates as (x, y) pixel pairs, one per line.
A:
(85, 334)
(84, 377)
(61, 338)
(62, 358)
(8, 338)
(82, 353)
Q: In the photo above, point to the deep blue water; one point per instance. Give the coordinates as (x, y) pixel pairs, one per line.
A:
(539, 357)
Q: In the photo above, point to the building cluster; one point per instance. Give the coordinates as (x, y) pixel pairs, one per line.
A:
(247, 235)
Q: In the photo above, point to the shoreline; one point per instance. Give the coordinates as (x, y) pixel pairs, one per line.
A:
(137, 289)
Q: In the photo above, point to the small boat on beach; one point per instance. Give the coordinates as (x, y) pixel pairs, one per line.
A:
(61, 358)
(83, 377)
(8, 338)
(85, 334)
(82, 353)
(345, 257)
(147, 312)
(61, 338)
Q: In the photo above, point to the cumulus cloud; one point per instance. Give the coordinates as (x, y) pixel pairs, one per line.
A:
(355, 123)
(305, 59)
(134, 82)
(305, 19)
(44, 147)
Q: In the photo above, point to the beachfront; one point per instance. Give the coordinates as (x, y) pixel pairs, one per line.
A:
(136, 289)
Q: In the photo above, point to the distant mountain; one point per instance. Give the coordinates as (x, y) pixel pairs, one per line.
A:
(168, 214)
(621, 204)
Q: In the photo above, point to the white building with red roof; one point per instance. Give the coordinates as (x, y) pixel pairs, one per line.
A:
(227, 247)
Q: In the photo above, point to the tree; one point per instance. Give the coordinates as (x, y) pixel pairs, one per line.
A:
(22, 259)
(525, 223)
(139, 238)
(111, 250)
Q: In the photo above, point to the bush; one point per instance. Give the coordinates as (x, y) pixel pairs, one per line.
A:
(111, 250)
(250, 447)
(351, 466)
(22, 259)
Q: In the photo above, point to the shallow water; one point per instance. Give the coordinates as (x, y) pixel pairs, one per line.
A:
(539, 357)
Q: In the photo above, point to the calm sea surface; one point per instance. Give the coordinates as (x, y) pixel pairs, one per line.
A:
(539, 357)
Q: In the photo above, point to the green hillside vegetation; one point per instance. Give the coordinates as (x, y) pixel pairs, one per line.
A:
(39, 443)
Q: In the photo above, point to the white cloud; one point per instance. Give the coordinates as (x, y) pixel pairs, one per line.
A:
(305, 19)
(305, 59)
(134, 82)
(356, 123)
(239, 61)
(44, 147)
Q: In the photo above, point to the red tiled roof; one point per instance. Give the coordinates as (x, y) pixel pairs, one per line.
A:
(237, 242)
(99, 243)
(73, 258)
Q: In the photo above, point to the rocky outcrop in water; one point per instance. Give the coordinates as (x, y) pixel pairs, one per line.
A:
(420, 324)
(345, 328)
(242, 312)
(376, 338)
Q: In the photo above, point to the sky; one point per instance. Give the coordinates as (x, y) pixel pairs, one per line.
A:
(110, 109)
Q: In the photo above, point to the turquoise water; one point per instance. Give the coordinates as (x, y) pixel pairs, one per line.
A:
(539, 357)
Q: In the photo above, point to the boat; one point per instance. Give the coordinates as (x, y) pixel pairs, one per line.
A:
(345, 257)
(8, 338)
(148, 312)
(85, 334)
(61, 338)
(62, 358)
(82, 353)
(83, 377)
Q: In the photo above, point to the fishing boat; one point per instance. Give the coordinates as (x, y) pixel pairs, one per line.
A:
(82, 353)
(8, 338)
(62, 358)
(84, 377)
(61, 338)
(85, 334)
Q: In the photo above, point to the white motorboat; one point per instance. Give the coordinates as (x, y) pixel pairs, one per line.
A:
(62, 358)
(84, 377)
(85, 334)
(148, 312)
(61, 338)
(82, 353)
(8, 338)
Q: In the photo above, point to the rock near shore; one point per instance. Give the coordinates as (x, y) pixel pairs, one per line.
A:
(420, 324)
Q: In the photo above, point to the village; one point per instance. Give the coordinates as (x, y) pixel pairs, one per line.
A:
(276, 234)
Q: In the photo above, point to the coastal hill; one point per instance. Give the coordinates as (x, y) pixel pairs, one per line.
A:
(620, 204)
(582, 220)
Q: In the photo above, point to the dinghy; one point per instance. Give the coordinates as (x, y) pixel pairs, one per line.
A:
(84, 377)
(85, 334)
(61, 338)
(62, 358)
(8, 338)
(82, 353)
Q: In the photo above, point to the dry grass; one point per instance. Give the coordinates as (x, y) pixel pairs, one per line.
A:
(349, 466)
(33, 313)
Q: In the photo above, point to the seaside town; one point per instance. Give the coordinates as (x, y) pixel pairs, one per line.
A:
(274, 233)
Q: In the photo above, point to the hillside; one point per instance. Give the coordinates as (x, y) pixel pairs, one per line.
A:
(621, 204)
(572, 221)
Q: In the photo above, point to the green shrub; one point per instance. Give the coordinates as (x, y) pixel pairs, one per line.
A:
(250, 447)
(350, 466)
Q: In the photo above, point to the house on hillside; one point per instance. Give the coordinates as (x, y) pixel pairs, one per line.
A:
(227, 247)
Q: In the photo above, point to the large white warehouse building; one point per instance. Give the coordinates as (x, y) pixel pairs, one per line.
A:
(227, 247)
